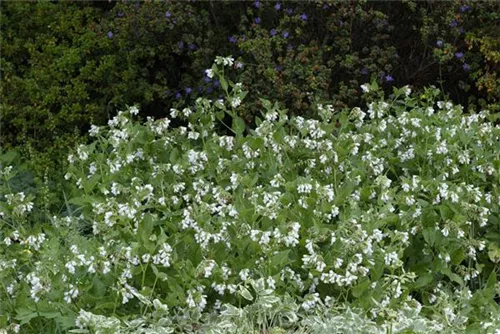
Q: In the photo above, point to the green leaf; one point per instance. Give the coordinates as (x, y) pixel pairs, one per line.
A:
(245, 293)
(424, 280)
(454, 277)
(280, 259)
(429, 234)
(223, 83)
(174, 155)
(238, 125)
(24, 315)
(494, 253)
(361, 288)
(146, 229)
(490, 284)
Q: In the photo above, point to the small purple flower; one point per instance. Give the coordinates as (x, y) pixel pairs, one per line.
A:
(364, 71)
(207, 79)
(459, 55)
(326, 6)
(239, 65)
(189, 90)
(200, 89)
(466, 67)
(289, 11)
(454, 23)
(180, 45)
(439, 43)
(285, 34)
(209, 90)
(192, 46)
(256, 4)
(120, 14)
(277, 68)
(216, 83)
(168, 15)
(389, 78)
(273, 32)
(178, 96)
(303, 17)
(232, 39)
(257, 20)
(277, 6)
(110, 34)
(341, 23)
(464, 8)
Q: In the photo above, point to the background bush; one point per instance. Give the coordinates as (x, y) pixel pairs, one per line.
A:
(67, 64)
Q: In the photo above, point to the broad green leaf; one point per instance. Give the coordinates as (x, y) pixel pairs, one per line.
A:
(245, 293)
(454, 277)
(238, 125)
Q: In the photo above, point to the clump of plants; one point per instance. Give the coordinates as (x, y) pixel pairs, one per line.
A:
(380, 218)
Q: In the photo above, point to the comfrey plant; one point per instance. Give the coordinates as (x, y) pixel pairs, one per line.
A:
(389, 210)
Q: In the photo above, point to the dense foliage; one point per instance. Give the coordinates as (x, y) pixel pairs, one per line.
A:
(381, 218)
(68, 64)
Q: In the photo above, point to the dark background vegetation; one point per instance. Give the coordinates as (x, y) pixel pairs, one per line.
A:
(67, 64)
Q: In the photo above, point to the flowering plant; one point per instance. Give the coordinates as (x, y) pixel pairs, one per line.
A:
(389, 210)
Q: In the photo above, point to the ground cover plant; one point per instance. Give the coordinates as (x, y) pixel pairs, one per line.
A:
(382, 218)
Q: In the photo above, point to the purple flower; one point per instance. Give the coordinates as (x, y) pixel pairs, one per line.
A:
(303, 17)
(209, 90)
(326, 6)
(364, 71)
(273, 32)
(459, 55)
(192, 46)
(256, 4)
(178, 96)
(277, 6)
(232, 39)
(207, 79)
(239, 65)
(110, 34)
(439, 43)
(454, 23)
(216, 83)
(180, 45)
(285, 34)
(277, 68)
(466, 67)
(200, 89)
(168, 14)
(464, 9)
(289, 11)
(257, 20)
(189, 90)
(389, 78)
(120, 14)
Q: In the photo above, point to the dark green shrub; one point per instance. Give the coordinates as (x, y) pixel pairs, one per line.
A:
(67, 64)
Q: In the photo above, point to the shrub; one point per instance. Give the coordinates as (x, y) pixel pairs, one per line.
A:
(390, 210)
(67, 65)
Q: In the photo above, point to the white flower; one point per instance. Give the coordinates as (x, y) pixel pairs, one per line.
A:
(407, 90)
(134, 110)
(209, 73)
(236, 102)
(365, 88)
(94, 130)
